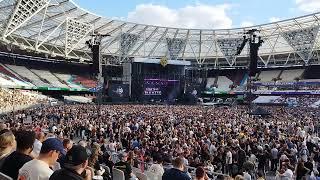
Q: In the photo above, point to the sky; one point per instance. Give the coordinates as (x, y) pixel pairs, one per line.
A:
(204, 14)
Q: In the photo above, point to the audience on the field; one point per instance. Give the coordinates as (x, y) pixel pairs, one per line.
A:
(153, 137)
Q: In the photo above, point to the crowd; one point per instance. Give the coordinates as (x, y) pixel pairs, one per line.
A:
(300, 101)
(14, 98)
(172, 142)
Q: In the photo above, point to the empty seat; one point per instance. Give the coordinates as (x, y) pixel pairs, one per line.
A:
(141, 176)
(117, 174)
(267, 76)
(290, 75)
(48, 76)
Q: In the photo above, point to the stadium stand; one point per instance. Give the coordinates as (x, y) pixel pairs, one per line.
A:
(224, 83)
(267, 76)
(9, 79)
(210, 82)
(145, 142)
(26, 73)
(16, 99)
(266, 99)
(79, 99)
(50, 78)
(290, 75)
(85, 82)
(67, 79)
(4, 82)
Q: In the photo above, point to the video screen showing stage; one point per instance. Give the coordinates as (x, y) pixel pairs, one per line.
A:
(155, 83)
(161, 89)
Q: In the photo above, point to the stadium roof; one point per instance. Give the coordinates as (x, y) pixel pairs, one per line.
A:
(61, 28)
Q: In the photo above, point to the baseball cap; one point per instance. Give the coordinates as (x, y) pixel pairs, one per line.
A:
(76, 156)
(51, 144)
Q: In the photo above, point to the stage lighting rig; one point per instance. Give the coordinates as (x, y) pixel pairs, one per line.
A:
(96, 39)
(94, 44)
(255, 41)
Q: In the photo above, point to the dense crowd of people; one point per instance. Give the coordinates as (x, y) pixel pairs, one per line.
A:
(300, 101)
(198, 142)
(14, 98)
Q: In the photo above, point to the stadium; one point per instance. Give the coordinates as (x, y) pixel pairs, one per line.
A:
(84, 96)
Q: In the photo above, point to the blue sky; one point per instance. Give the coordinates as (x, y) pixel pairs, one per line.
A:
(201, 13)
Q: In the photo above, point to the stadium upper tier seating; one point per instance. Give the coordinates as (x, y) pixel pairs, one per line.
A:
(47, 75)
(20, 76)
(8, 79)
(67, 78)
(267, 76)
(26, 73)
(210, 82)
(85, 82)
(224, 83)
(290, 75)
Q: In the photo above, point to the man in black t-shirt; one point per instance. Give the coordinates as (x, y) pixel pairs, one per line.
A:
(124, 166)
(18, 158)
(75, 165)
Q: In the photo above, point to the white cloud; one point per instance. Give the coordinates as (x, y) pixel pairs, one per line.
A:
(274, 19)
(308, 5)
(246, 24)
(195, 16)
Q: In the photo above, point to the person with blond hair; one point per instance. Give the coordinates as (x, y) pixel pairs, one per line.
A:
(7, 144)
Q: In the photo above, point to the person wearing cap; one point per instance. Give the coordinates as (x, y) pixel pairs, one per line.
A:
(39, 169)
(75, 166)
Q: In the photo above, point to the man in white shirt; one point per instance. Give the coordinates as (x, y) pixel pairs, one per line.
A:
(39, 169)
(287, 175)
(157, 167)
(228, 160)
(37, 144)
